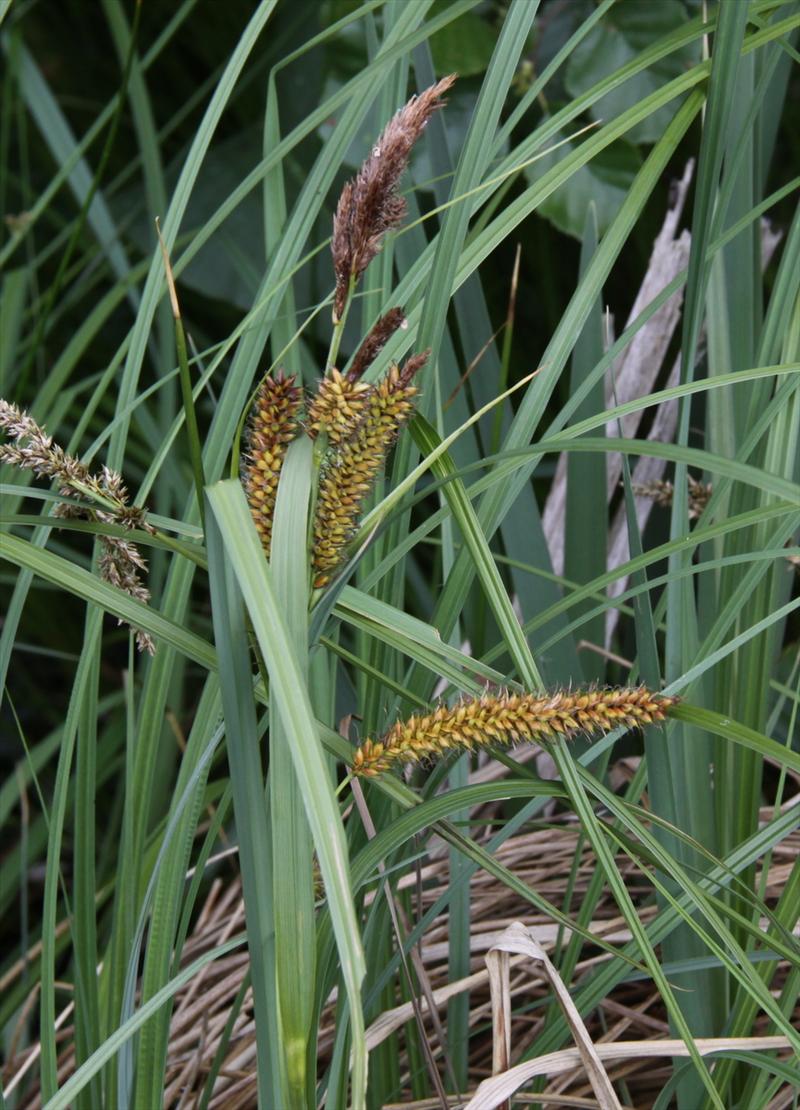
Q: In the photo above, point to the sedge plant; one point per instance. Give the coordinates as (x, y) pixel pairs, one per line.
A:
(244, 865)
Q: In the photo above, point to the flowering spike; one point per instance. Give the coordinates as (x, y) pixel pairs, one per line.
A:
(662, 492)
(379, 335)
(347, 477)
(507, 717)
(273, 425)
(338, 407)
(120, 560)
(369, 204)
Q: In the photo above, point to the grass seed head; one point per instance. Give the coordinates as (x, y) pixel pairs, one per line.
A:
(350, 471)
(339, 406)
(273, 425)
(369, 204)
(506, 718)
(377, 338)
(120, 561)
(662, 493)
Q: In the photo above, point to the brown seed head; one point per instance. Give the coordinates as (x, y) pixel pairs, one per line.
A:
(379, 335)
(662, 492)
(507, 718)
(369, 204)
(412, 366)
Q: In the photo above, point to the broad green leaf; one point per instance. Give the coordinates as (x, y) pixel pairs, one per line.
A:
(626, 30)
(465, 47)
(605, 182)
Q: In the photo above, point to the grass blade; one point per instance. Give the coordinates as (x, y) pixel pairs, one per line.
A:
(248, 566)
(247, 780)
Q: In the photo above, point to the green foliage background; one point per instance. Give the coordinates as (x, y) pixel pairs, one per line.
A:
(239, 124)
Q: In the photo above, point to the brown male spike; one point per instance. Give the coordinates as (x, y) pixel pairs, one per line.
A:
(369, 204)
(378, 336)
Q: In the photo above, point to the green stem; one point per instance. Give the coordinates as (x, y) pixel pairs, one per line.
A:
(338, 327)
(317, 458)
(192, 430)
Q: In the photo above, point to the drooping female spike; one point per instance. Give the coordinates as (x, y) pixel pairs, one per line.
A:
(120, 563)
(505, 718)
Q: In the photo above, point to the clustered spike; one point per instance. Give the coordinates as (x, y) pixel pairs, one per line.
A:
(120, 561)
(505, 718)
(338, 408)
(273, 425)
(355, 422)
(662, 493)
(347, 478)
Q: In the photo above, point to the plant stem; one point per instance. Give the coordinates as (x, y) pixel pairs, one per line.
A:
(338, 327)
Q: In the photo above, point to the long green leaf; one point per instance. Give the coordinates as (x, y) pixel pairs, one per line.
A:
(292, 845)
(76, 1083)
(247, 781)
(249, 568)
